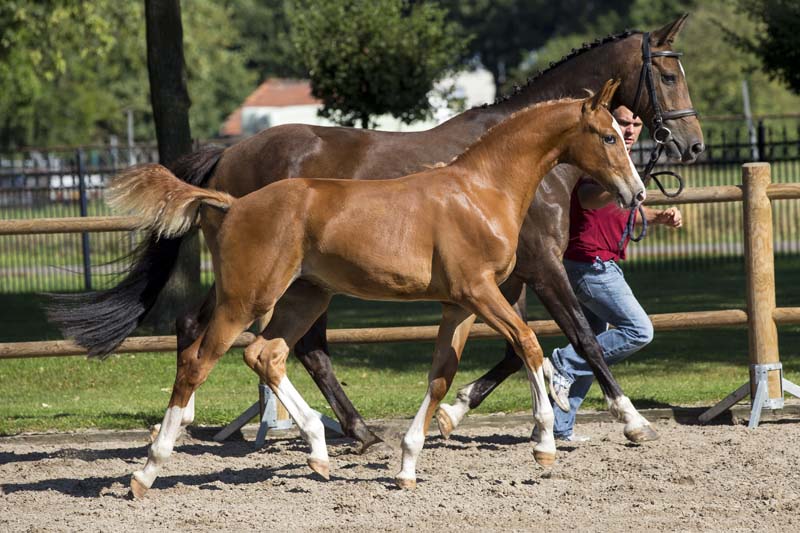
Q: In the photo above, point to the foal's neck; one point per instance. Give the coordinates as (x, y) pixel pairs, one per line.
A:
(514, 156)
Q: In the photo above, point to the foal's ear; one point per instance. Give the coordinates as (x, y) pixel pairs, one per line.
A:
(603, 97)
(667, 34)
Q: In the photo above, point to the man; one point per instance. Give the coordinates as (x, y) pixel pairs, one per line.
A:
(591, 260)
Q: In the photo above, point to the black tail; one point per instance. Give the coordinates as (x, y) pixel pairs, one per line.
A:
(99, 321)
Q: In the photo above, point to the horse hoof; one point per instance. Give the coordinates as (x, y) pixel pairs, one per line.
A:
(155, 429)
(369, 443)
(321, 467)
(641, 434)
(138, 489)
(445, 423)
(545, 459)
(404, 483)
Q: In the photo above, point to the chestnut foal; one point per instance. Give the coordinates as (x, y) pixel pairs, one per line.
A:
(448, 234)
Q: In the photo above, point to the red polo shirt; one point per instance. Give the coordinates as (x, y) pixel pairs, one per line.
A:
(595, 232)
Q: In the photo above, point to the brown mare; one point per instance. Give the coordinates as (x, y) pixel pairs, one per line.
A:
(447, 234)
(100, 321)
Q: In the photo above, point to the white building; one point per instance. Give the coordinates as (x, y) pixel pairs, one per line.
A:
(281, 101)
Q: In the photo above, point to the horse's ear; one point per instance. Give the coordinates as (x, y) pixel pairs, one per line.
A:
(603, 97)
(667, 34)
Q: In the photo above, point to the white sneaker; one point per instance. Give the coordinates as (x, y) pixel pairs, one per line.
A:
(559, 385)
(575, 438)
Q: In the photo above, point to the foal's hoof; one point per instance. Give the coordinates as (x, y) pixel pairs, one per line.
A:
(155, 429)
(545, 459)
(641, 434)
(404, 483)
(321, 467)
(138, 490)
(446, 426)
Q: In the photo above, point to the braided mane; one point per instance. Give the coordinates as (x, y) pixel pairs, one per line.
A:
(573, 53)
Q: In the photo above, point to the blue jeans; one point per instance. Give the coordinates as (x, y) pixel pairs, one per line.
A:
(605, 298)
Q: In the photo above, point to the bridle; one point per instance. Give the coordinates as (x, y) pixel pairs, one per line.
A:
(661, 134)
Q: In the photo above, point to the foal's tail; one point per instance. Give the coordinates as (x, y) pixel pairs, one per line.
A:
(168, 207)
(100, 320)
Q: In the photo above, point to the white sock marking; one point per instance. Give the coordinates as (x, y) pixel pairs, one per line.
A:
(162, 447)
(309, 423)
(414, 440)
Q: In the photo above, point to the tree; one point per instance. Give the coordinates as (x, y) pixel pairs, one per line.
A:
(38, 42)
(505, 31)
(714, 68)
(777, 39)
(266, 44)
(170, 99)
(371, 58)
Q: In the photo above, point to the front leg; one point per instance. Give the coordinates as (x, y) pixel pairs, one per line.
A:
(486, 300)
(551, 284)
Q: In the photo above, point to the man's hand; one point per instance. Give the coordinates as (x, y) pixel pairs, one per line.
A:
(669, 217)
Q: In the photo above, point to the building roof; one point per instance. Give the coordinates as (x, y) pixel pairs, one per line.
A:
(273, 92)
(277, 92)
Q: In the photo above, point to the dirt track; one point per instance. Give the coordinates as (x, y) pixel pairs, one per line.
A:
(716, 478)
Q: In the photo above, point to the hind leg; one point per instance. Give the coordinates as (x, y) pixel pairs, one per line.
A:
(194, 365)
(312, 351)
(453, 333)
(267, 354)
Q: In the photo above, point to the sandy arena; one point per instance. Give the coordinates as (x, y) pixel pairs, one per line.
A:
(696, 478)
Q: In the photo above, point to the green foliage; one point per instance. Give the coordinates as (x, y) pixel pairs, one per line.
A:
(40, 43)
(714, 68)
(371, 58)
(777, 39)
(505, 31)
(266, 44)
(218, 79)
(70, 69)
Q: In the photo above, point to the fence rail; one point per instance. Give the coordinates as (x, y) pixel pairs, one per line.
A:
(761, 317)
(68, 183)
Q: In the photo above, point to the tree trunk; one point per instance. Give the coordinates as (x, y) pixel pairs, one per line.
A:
(170, 100)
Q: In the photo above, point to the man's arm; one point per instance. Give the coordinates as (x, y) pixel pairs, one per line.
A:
(591, 195)
(670, 216)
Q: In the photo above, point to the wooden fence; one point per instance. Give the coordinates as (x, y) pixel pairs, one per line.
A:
(761, 316)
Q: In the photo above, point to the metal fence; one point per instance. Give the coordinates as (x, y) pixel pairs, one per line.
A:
(712, 233)
(64, 182)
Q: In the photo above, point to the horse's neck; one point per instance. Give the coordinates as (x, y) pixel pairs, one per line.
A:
(515, 155)
(588, 70)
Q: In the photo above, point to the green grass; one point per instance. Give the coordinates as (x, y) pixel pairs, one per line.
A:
(127, 391)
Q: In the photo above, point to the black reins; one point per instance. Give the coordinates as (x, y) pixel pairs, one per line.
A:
(659, 132)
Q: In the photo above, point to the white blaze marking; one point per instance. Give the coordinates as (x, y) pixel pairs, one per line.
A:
(680, 65)
(634, 172)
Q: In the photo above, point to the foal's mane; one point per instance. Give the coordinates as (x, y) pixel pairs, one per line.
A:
(586, 47)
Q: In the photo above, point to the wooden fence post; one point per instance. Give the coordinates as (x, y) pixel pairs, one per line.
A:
(760, 270)
(766, 384)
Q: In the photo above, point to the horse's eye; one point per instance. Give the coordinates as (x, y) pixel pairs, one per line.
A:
(669, 79)
(609, 139)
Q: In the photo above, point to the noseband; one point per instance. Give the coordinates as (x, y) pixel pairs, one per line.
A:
(660, 133)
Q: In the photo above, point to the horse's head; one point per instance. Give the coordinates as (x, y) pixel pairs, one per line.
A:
(597, 147)
(660, 94)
